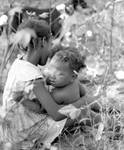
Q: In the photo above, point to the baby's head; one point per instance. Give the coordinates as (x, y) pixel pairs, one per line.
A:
(64, 67)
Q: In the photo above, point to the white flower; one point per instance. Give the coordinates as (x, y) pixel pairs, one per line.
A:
(89, 33)
(119, 74)
(3, 20)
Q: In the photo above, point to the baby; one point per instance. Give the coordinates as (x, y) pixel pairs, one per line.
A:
(62, 74)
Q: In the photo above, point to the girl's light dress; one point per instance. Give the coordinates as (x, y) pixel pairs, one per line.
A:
(19, 124)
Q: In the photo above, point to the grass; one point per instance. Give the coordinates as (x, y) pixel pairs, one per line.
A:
(85, 139)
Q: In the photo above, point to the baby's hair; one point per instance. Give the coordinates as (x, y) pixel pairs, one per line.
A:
(71, 56)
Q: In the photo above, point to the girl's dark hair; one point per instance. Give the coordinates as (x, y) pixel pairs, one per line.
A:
(73, 57)
(82, 3)
(55, 49)
(41, 28)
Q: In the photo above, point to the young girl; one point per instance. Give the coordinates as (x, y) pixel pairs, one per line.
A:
(21, 121)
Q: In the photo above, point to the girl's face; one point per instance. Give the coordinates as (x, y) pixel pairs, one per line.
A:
(58, 73)
(44, 52)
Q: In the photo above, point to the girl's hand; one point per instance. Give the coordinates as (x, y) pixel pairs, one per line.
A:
(18, 96)
(47, 101)
(38, 84)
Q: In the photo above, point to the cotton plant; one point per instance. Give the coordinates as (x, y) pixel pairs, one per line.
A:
(119, 74)
(94, 66)
(115, 91)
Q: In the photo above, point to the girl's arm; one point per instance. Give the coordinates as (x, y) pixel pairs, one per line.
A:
(50, 105)
(47, 101)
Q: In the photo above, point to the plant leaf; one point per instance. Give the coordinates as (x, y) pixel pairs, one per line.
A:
(70, 111)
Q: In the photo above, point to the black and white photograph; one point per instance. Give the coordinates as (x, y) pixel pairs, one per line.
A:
(62, 75)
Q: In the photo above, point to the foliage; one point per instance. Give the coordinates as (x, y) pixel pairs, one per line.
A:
(99, 35)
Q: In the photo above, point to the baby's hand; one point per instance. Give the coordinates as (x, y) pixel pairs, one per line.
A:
(18, 96)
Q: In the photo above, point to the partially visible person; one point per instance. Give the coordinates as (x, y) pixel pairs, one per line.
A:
(21, 118)
(61, 75)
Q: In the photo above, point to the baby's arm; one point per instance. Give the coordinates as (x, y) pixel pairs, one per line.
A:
(82, 94)
(82, 90)
(93, 105)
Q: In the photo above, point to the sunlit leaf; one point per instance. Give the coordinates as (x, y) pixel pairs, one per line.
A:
(119, 74)
(70, 111)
